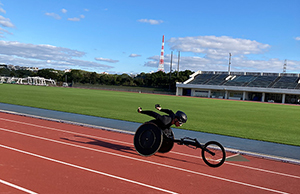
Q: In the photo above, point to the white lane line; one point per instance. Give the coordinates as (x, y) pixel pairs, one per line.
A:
(146, 161)
(117, 141)
(243, 166)
(17, 187)
(61, 130)
(232, 156)
(87, 169)
(263, 170)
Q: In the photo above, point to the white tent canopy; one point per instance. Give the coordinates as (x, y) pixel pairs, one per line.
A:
(28, 80)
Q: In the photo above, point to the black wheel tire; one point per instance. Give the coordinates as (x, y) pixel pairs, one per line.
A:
(148, 139)
(220, 148)
(167, 143)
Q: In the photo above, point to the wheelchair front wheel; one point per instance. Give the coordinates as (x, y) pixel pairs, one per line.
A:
(213, 154)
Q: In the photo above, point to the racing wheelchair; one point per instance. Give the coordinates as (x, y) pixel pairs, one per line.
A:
(149, 139)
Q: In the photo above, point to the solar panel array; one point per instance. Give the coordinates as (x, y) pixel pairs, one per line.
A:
(264, 81)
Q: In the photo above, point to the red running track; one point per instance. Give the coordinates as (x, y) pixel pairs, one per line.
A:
(38, 156)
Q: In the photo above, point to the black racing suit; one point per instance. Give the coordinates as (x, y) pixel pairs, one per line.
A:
(164, 122)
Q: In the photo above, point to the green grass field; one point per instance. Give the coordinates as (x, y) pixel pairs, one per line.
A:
(261, 121)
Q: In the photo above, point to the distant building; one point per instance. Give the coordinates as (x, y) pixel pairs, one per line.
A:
(11, 67)
(3, 66)
(253, 86)
(17, 67)
(34, 69)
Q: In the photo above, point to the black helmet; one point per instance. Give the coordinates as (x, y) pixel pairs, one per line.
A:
(181, 116)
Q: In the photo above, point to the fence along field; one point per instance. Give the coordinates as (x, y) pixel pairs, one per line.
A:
(261, 121)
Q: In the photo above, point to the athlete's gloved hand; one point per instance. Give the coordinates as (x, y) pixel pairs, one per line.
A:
(157, 106)
(139, 109)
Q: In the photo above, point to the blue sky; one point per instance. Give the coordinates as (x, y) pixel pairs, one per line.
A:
(125, 36)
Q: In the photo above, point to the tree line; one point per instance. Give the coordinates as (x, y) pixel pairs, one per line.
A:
(157, 79)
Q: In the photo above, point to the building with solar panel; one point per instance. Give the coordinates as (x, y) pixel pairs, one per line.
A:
(251, 86)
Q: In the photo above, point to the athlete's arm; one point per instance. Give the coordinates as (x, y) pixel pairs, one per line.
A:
(149, 113)
(169, 112)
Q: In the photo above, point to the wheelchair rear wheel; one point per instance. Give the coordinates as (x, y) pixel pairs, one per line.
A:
(148, 139)
(167, 144)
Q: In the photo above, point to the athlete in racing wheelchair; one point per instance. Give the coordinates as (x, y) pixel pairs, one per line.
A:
(166, 121)
(157, 136)
(162, 123)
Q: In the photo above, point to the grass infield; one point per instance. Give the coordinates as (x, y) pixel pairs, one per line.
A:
(260, 121)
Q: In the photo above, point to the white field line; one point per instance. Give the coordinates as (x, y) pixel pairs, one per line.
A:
(126, 143)
(146, 161)
(17, 187)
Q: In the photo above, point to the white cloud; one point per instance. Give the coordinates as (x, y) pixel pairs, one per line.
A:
(297, 38)
(41, 52)
(74, 19)
(151, 21)
(45, 56)
(3, 30)
(64, 11)
(212, 45)
(5, 22)
(151, 64)
(53, 15)
(241, 64)
(106, 60)
(212, 54)
(2, 10)
(134, 55)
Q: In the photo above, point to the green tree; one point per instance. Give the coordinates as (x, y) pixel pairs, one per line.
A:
(125, 80)
(49, 74)
(93, 78)
(76, 75)
(5, 72)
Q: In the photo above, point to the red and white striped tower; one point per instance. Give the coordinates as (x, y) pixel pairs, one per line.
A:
(161, 60)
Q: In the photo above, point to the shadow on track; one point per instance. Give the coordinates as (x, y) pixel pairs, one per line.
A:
(122, 148)
(97, 142)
